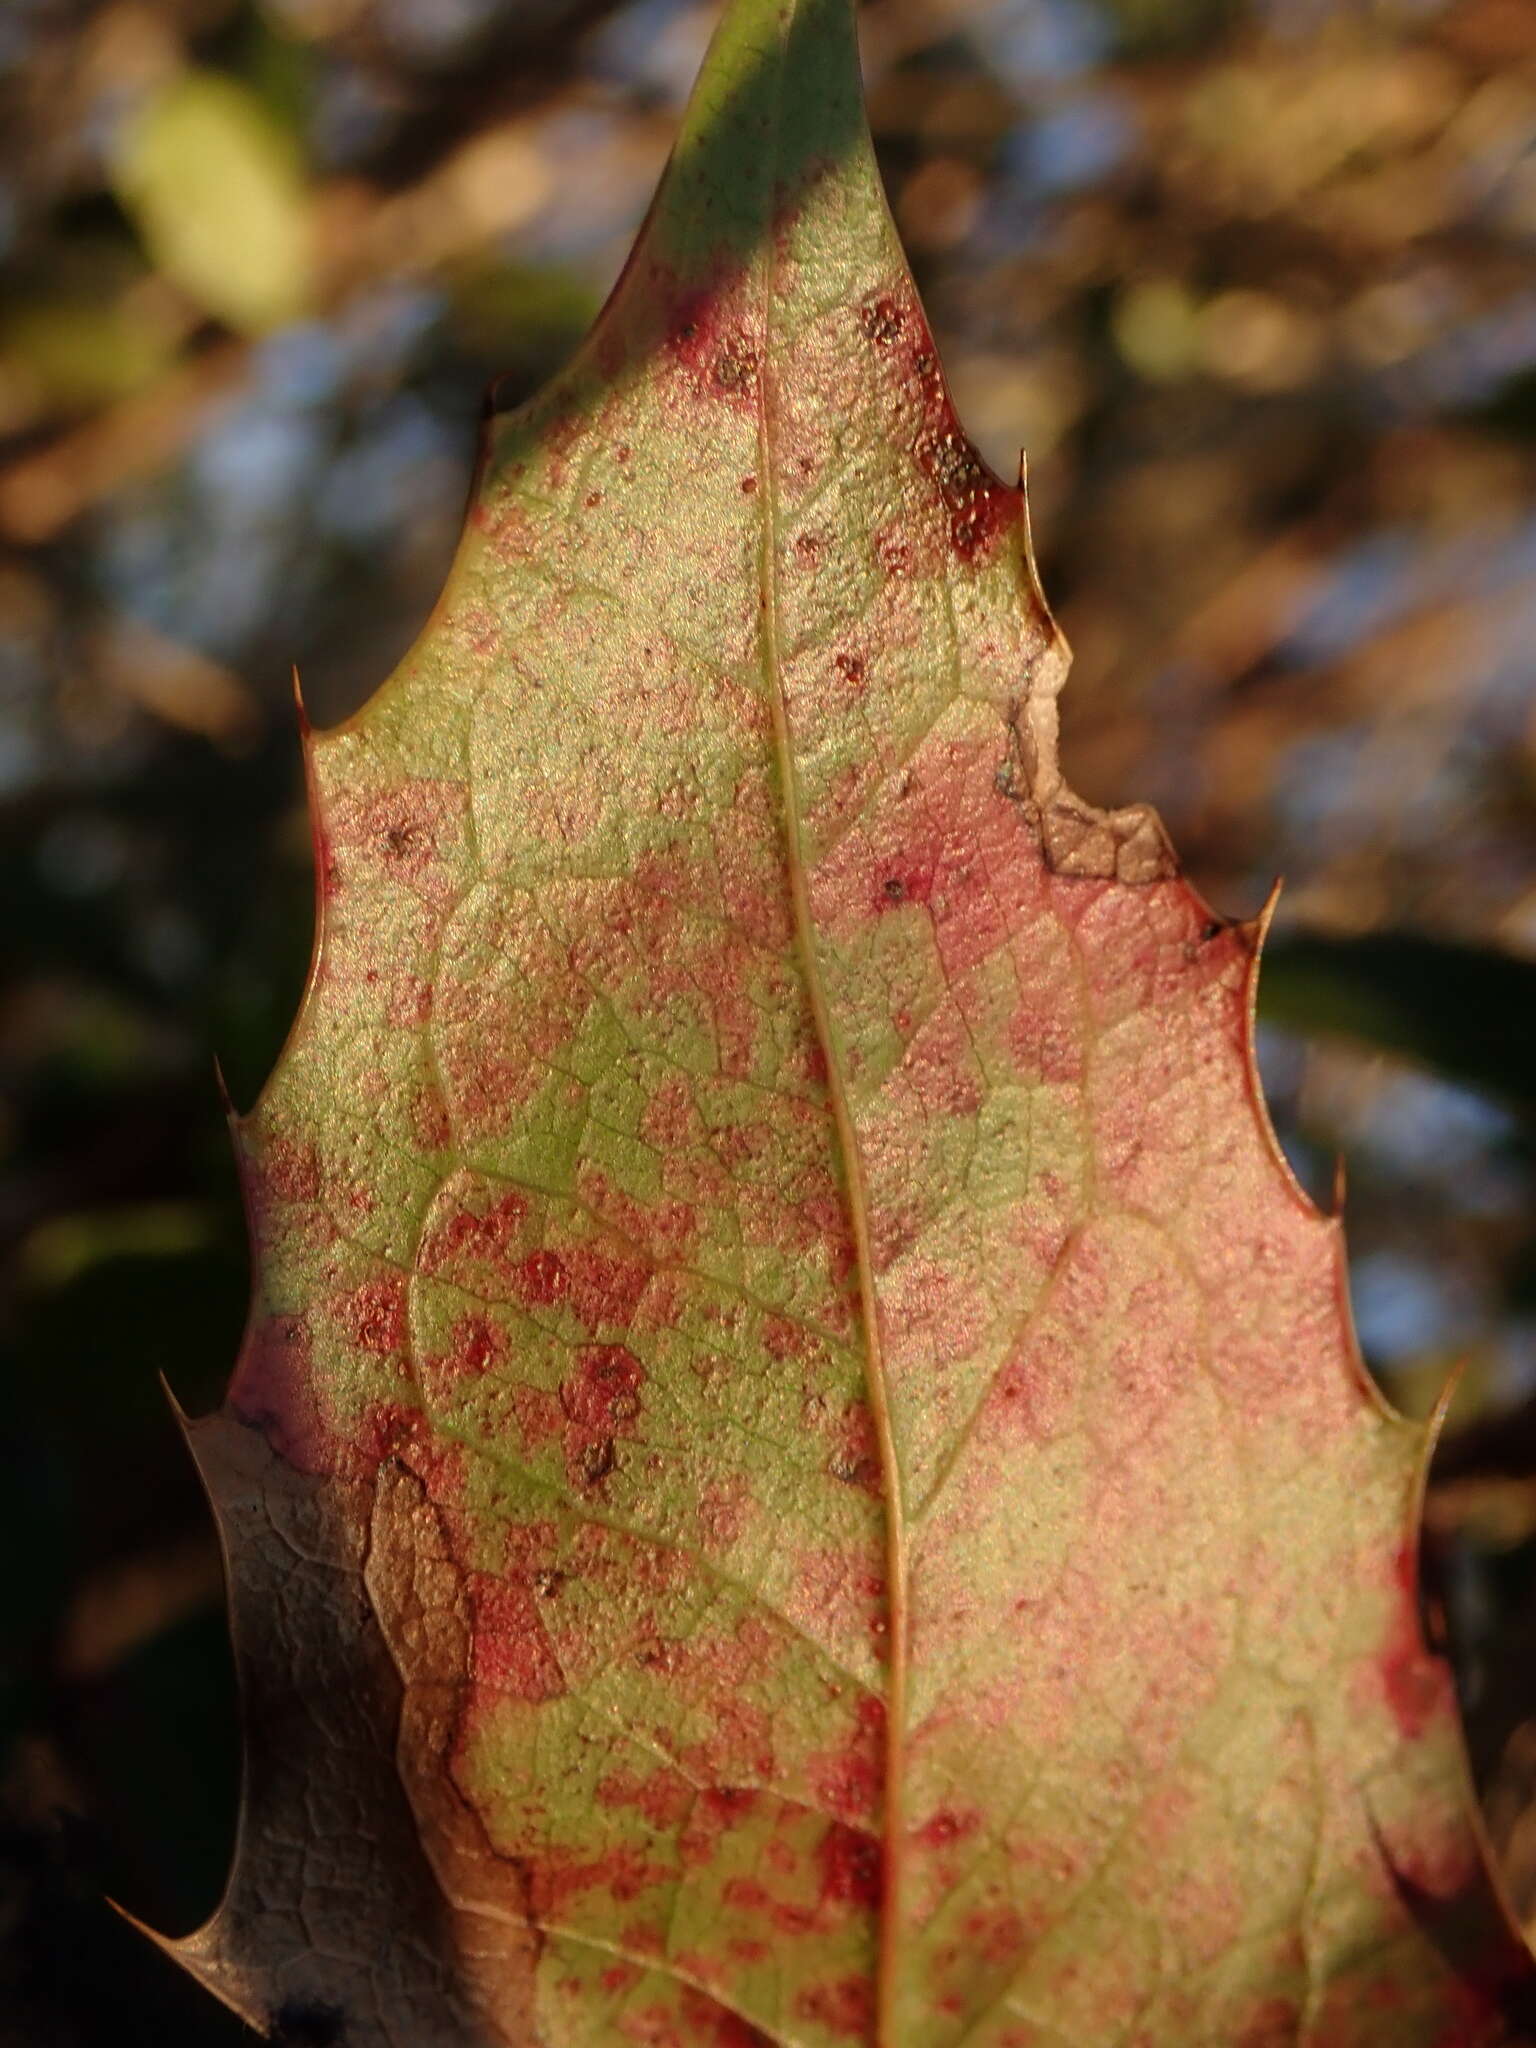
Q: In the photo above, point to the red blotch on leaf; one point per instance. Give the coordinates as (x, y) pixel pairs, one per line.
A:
(844, 2007)
(1273, 2025)
(848, 1779)
(702, 334)
(482, 1237)
(274, 1390)
(663, 1797)
(904, 880)
(401, 829)
(477, 1344)
(713, 2026)
(540, 1279)
(1416, 1683)
(978, 504)
(600, 1401)
(604, 1285)
(604, 1390)
(946, 1826)
(374, 1315)
(851, 1867)
(290, 1172)
(512, 1657)
(724, 1505)
(855, 1458)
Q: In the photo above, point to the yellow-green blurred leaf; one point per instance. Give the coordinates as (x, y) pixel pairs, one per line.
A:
(218, 192)
(74, 354)
(66, 1246)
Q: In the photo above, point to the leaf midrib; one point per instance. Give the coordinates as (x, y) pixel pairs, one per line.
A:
(837, 1095)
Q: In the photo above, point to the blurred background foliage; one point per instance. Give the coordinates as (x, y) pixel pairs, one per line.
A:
(1252, 282)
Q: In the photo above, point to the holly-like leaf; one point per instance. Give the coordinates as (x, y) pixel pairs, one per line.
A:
(799, 1472)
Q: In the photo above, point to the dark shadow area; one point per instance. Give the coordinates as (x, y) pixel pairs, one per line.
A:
(1465, 1012)
(738, 166)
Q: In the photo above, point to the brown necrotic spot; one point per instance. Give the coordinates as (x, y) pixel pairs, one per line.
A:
(605, 1387)
(594, 1461)
(979, 505)
(850, 1866)
(882, 320)
(702, 336)
(600, 1400)
(406, 842)
(855, 1471)
(736, 367)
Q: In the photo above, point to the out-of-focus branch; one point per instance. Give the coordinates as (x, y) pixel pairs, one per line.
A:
(48, 487)
(435, 213)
